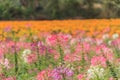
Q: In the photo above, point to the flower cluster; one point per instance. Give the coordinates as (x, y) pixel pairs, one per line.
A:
(61, 73)
(96, 73)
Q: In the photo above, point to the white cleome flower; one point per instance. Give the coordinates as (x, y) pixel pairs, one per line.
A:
(25, 53)
(95, 72)
(105, 36)
(115, 36)
(109, 42)
(73, 41)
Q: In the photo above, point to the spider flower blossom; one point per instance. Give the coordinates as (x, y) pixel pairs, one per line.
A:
(115, 36)
(72, 57)
(98, 60)
(103, 50)
(116, 43)
(60, 73)
(1, 53)
(10, 78)
(26, 52)
(5, 63)
(80, 76)
(28, 56)
(105, 36)
(31, 58)
(95, 72)
(59, 38)
(40, 47)
(51, 40)
(44, 75)
(64, 38)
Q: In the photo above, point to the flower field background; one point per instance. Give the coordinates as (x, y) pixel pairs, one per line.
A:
(60, 50)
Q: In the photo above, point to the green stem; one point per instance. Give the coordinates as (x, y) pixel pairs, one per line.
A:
(61, 54)
(39, 61)
(46, 57)
(113, 73)
(16, 62)
(15, 54)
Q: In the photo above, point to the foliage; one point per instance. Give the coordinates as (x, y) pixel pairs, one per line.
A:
(59, 9)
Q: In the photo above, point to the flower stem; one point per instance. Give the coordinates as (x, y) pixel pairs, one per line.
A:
(16, 62)
(61, 54)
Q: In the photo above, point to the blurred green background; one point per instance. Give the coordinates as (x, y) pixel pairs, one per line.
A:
(58, 9)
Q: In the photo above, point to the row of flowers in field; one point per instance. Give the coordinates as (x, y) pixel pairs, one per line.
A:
(59, 56)
(90, 25)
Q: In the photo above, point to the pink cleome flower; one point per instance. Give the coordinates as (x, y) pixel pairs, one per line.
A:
(44, 75)
(98, 60)
(31, 58)
(80, 77)
(10, 78)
